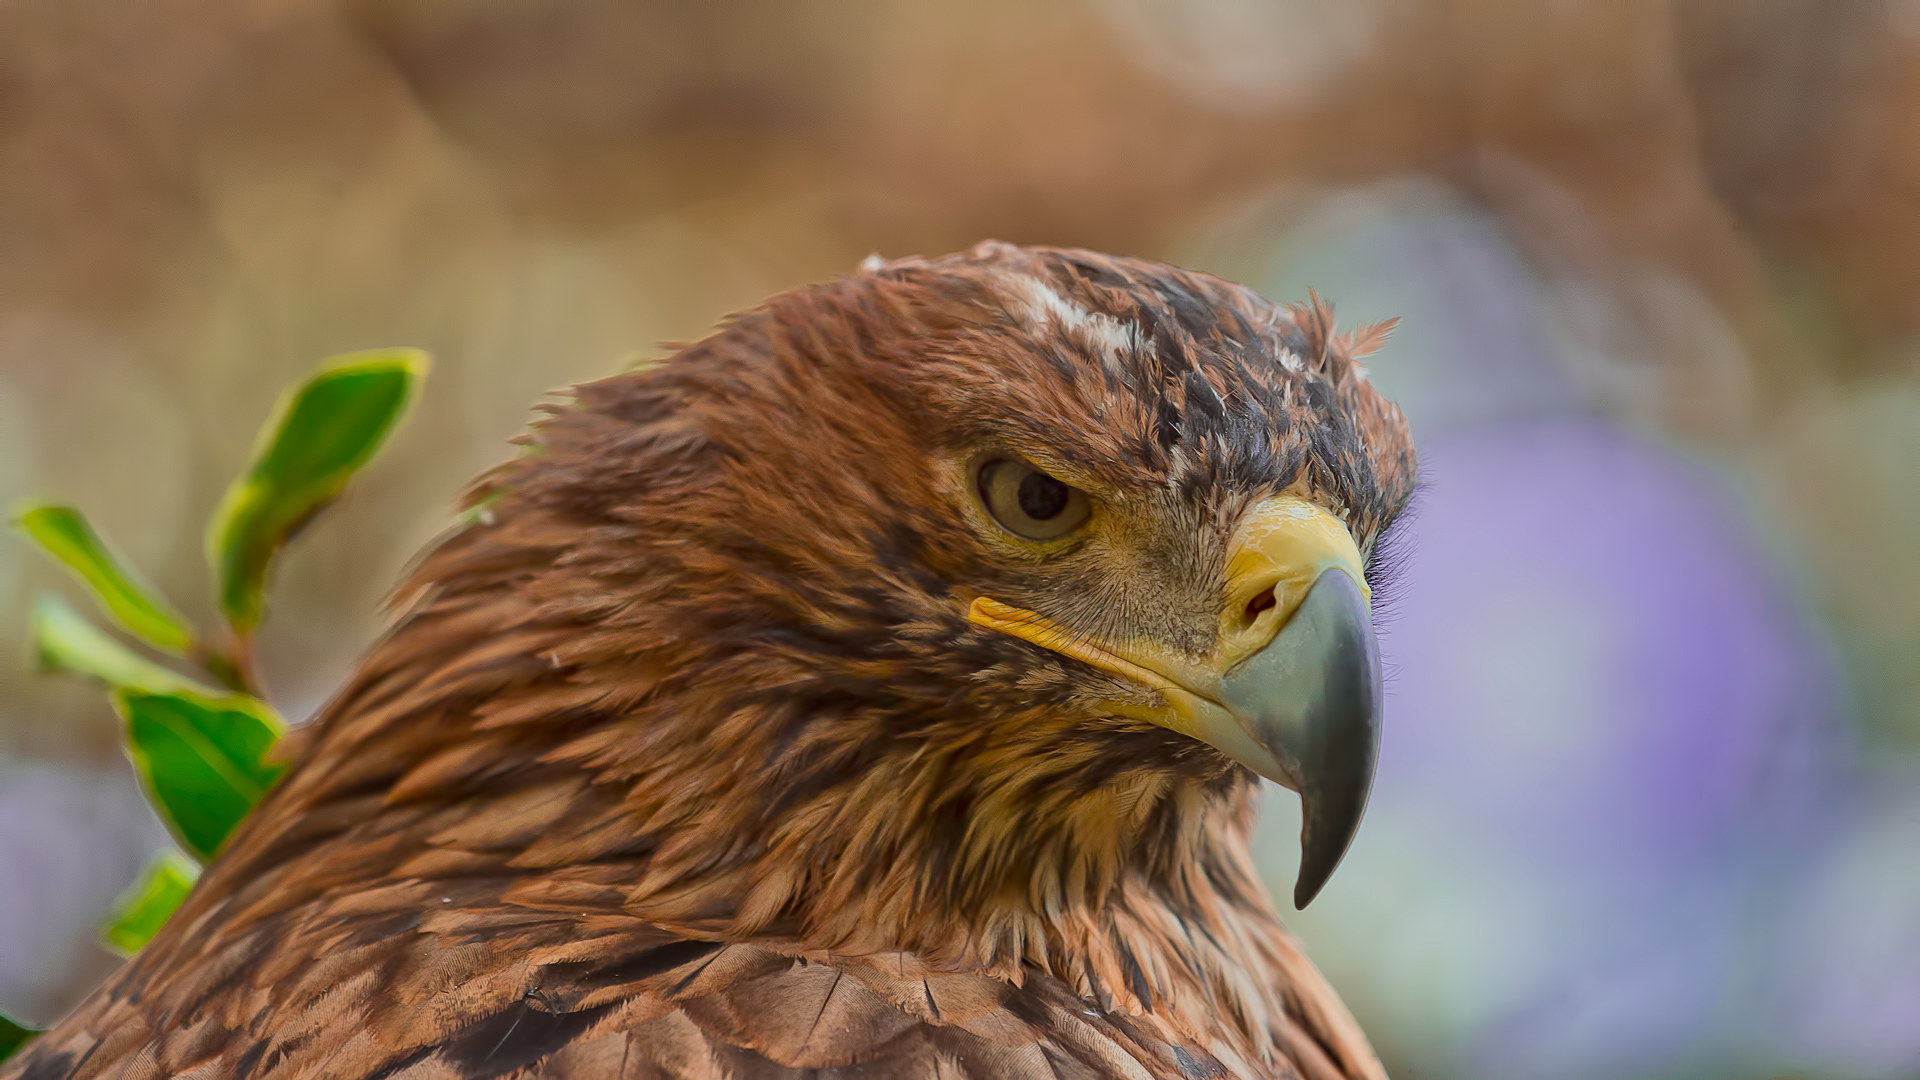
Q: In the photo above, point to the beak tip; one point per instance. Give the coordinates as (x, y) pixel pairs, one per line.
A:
(1315, 872)
(1332, 821)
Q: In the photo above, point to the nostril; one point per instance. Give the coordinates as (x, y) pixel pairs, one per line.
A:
(1261, 602)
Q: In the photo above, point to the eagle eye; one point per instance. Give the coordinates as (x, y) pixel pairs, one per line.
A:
(1028, 503)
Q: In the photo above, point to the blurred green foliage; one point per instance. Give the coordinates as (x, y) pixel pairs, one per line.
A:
(143, 909)
(62, 533)
(201, 760)
(12, 1037)
(202, 749)
(323, 432)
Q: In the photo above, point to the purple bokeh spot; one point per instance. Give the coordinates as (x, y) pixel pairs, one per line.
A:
(1582, 614)
(1597, 682)
(71, 840)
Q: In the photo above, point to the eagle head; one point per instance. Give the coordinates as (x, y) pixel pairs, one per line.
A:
(991, 576)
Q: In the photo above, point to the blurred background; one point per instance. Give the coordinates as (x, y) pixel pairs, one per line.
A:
(1649, 800)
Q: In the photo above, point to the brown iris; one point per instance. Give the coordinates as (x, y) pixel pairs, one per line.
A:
(1028, 503)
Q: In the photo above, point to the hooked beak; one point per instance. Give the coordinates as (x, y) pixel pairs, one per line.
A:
(1292, 689)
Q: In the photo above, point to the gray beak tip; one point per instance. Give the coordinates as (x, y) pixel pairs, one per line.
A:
(1314, 695)
(1321, 849)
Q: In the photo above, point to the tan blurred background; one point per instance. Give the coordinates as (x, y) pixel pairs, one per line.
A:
(1717, 202)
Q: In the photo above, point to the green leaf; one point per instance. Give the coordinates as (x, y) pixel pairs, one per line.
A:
(65, 640)
(201, 759)
(13, 1036)
(63, 533)
(200, 753)
(142, 910)
(320, 435)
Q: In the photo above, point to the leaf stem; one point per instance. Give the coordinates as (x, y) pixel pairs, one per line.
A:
(234, 666)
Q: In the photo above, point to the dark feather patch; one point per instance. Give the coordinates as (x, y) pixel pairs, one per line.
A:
(249, 1058)
(515, 1037)
(578, 975)
(1136, 978)
(1166, 424)
(1198, 1064)
(48, 1066)
(1203, 401)
(402, 1064)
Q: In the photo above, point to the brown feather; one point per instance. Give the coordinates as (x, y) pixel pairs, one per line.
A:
(683, 760)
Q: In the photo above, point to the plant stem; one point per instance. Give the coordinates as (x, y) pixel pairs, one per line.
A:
(245, 667)
(234, 667)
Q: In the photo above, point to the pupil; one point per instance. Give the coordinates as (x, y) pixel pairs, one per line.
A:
(1042, 497)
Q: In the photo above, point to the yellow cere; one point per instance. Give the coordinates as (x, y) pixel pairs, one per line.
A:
(1297, 540)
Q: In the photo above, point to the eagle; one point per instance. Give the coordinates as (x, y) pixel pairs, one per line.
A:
(878, 688)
